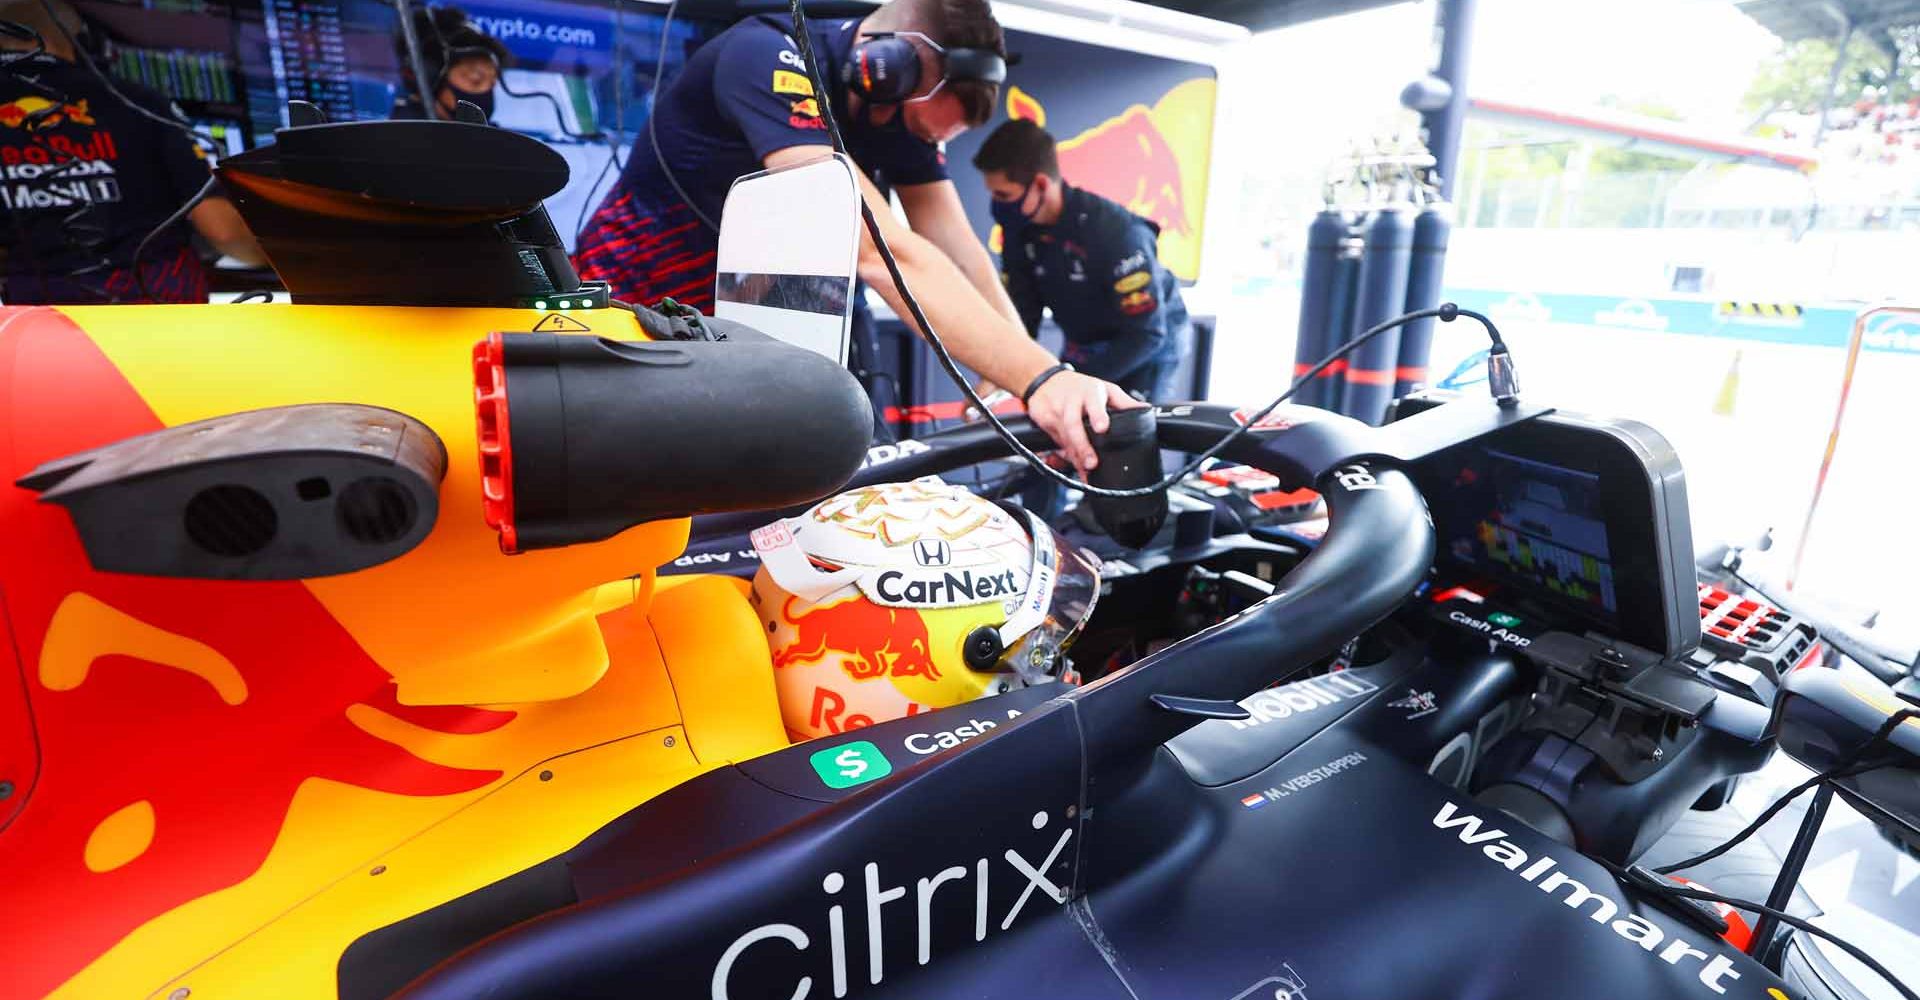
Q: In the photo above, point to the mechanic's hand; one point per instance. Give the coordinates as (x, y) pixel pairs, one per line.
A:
(1065, 401)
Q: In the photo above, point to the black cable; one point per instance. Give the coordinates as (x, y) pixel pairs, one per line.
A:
(86, 59)
(1688, 892)
(1446, 313)
(1730, 843)
(653, 112)
(21, 31)
(184, 128)
(140, 251)
(619, 84)
(587, 203)
(64, 163)
(262, 294)
(1846, 767)
(559, 113)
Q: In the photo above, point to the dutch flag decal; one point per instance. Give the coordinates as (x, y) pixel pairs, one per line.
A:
(1254, 801)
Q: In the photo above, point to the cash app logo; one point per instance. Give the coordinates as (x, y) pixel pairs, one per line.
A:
(1503, 619)
(851, 764)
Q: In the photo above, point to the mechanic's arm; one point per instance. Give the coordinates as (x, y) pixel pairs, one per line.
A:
(1016, 273)
(976, 335)
(184, 167)
(220, 224)
(934, 211)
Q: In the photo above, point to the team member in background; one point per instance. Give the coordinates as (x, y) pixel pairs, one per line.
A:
(1089, 260)
(84, 177)
(907, 78)
(465, 61)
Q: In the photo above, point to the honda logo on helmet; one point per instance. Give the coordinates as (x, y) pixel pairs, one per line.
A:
(932, 552)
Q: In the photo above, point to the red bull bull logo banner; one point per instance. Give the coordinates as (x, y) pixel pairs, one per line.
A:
(1142, 137)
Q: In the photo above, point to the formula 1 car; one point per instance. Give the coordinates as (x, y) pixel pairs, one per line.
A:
(345, 670)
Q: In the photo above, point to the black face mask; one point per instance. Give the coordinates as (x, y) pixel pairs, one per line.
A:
(482, 99)
(1008, 213)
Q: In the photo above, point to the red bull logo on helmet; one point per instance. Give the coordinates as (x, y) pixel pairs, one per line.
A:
(874, 641)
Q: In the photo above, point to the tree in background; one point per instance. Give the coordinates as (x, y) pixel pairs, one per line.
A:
(1513, 177)
(1797, 76)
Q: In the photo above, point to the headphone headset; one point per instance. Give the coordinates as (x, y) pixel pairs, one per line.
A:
(449, 52)
(885, 68)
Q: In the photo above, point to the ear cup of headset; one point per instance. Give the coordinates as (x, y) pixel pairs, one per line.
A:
(884, 70)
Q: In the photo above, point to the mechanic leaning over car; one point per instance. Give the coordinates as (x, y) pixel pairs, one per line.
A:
(89, 176)
(1086, 258)
(903, 80)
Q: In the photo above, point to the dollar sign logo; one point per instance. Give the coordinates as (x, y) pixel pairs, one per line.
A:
(850, 764)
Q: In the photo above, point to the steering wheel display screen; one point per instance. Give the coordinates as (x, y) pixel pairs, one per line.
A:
(1534, 524)
(1581, 517)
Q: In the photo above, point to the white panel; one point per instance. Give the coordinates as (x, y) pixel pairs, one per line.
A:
(801, 220)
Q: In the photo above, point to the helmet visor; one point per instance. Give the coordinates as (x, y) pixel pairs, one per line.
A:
(1061, 590)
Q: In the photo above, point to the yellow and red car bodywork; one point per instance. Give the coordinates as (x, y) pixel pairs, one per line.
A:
(217, 786)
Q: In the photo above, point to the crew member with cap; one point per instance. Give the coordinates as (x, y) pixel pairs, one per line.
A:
(902, 81)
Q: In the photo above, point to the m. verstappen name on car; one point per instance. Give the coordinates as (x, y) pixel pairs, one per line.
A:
(944, 589)
(1305, 779)
(1541, 875)
(919, 917)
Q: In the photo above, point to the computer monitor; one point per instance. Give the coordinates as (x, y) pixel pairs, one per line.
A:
(586, 68)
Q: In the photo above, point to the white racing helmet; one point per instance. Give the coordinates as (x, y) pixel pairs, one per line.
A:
(900, 598)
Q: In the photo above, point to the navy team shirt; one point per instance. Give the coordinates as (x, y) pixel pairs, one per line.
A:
(83, 179)
(1098, 268)
(742, 95)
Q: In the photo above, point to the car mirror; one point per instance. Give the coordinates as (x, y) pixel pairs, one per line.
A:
(789, 239)
(1824, 715)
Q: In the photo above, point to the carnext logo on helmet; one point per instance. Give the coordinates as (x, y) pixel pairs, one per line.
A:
(945, 589)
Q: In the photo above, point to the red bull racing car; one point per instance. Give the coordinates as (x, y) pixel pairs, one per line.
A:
(342, 666)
